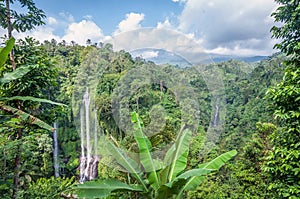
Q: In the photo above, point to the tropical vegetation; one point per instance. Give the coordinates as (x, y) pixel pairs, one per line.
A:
(241, 141)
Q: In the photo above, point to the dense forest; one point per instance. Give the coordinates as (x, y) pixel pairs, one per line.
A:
(91, 122)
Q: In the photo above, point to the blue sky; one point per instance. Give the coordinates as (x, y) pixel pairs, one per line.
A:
(108, 13)
(231, 27)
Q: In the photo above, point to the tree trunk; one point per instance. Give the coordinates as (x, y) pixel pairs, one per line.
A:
(9, 31)
(4, 164)
(17, 162)
(17, 165)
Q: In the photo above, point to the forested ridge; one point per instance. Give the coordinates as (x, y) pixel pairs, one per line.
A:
(236, 138)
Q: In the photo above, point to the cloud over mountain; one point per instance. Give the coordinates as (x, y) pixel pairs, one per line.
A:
(229, 24)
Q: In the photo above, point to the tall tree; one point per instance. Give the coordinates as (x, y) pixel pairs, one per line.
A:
(283, 163)
(12, 20)
(288, 15)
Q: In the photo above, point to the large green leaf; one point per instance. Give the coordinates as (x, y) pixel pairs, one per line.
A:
(103, 188)
(188, 174)
(6, 50)
(175, 186)
(25, 116)
(16, 74)
(178, 155)
(197, 179)
(29, 98)
(126, 162)
(215, 164)
(145, 149)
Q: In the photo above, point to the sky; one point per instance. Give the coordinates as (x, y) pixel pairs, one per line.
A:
(229, 27)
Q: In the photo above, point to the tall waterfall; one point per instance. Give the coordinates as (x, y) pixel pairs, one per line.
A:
(89, 159)
(216, 116)
(55, 151)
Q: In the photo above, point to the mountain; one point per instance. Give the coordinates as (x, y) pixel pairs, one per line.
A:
(160, 56)
(248, 59)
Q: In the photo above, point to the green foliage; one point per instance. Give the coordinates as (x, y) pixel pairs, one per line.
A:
(166, 179)
(282, 163)
(49, 188)
(106, 170)
(287, 14)
(49, 72)
(36, 71)
(145, 149)
(26, 117)
(29, 98)
(23, 160)
(104, 188)
(244, 177)
(36, 149)
(16, 74)
(286, 96)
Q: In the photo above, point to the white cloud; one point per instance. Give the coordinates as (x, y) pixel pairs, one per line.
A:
(181, 1)
(82, 31)
(166, 39)
(165, 24)
(67, 16)
(41, 34)
(73, 31)
(131, 22)
(51, 21)
(149, 54)
(229, 24)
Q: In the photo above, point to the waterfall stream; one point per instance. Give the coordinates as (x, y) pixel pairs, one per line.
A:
(55, 151)
(89, 159)
(216, 116)
(82, 140)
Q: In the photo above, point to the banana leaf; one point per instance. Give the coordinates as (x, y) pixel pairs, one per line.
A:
(6, 50)
(16, 74)
(176, 157)
(215, 164)
(25, 116)
(126, 162)
(188, 174)
(104, 188)
(145, 149)
(29, 98)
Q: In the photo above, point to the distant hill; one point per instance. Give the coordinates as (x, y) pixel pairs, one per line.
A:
(249, 59)
(160, 56)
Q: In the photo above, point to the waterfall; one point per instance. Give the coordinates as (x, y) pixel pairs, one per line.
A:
(82, 157)
(55, 151)
(94, 168)
(89, 159)
(95, 134)
(86, 101)
(216, 116)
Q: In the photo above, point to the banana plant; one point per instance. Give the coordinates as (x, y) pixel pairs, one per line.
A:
(154, 178)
